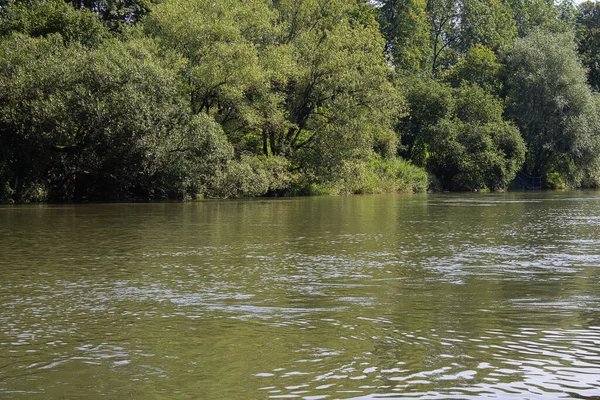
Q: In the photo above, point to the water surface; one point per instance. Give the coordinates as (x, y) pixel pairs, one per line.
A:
(426, 297)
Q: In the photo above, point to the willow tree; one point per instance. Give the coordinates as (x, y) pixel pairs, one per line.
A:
(555, 109)
(219, 41)
(99, 124)
(404, 24)
(303, 80)
(335, 93)
(116, 13)
(43, 18)
(588, 40)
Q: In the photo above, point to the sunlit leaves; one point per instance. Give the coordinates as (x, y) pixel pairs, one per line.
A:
(43, 18)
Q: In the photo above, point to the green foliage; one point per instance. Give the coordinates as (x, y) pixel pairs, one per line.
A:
(225, 98)
(306, 187)
(188, 160)
(405, 28)
(116, 13)
(429, 101)
(458, 25)
(549, 100)
(43, 18)
(588, 40)
(464, 142)
(444, 18)
(217, 40)
(372, 176)
(560, 173)
(404, 176)
(104, 124)
(254, 176)
(243, 178)
(487, 23)
(475, 156)
(303, 80)
(335, 94)
(542, 15)
(479, 66)
(434, 35)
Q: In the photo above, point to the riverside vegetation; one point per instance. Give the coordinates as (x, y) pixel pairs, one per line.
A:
(141, 99)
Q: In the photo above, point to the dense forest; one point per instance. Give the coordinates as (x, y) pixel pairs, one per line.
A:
(106, 100)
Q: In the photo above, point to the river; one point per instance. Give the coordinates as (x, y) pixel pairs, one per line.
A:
(432, 296)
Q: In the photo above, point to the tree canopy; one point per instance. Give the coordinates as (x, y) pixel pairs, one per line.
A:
(141, 99)
(550, 101)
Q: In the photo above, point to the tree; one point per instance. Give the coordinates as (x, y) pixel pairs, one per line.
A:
(404, 24)
(532, 15)
(444, 20)
(219, 41)
(588, 40)
(486, 23)
(104, 123)
(550, 102)
(460, 136)
(302, 80)
(481, 66)
(457, 25)
(475, 148)
(339, 101)
(429, 101)
(43, 18)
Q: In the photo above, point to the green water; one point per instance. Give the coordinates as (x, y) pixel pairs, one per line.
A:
(425, 296)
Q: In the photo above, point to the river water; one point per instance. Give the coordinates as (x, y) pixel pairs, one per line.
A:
(433, 296)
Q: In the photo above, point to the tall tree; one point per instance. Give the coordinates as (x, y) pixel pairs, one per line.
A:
(104, 123)
(338, 100)
(305, 80)
(43, 18)
(532, 15)
(457, 25)
(219, 41)
(444, 20)
(588, 40)
(549, 100)
(405, 26)
(481, 66)
(485, 22)
(460, 136)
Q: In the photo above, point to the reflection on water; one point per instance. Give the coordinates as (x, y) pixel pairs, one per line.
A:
(425, 297)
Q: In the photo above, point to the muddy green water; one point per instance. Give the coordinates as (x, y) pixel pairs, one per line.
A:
(426, 296)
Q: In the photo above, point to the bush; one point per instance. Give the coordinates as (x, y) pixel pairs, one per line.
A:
(406, 177)
(305, 187)
(373, 176)
(253, 176)
(475, 156)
